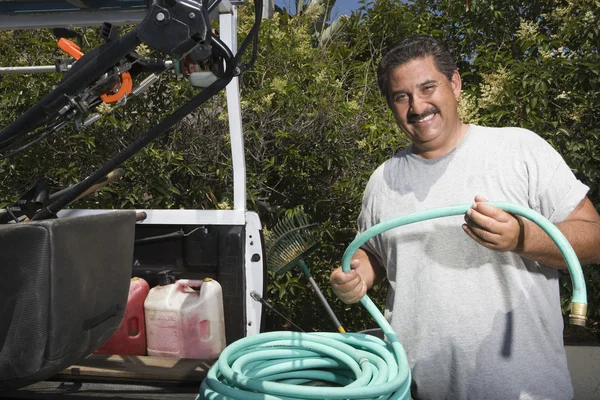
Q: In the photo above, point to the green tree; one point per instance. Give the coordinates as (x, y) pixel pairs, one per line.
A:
(315, 123)
(312, 139)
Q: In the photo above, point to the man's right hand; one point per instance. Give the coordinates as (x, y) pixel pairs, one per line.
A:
(348, 286)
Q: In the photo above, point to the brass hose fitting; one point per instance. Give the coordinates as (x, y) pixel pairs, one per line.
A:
(578, 312)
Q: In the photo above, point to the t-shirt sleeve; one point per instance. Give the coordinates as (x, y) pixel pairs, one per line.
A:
(367, 219)
(556, 190)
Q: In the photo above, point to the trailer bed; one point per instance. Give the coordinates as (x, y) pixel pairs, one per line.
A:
(121, 377)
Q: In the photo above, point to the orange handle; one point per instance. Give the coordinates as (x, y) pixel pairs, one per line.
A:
(70, 48)
(126, 82)
(124, 90)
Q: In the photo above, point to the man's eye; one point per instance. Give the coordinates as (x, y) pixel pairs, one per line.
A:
(429, 88)
(400, 97)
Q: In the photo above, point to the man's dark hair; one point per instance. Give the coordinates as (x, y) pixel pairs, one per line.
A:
(412, 48)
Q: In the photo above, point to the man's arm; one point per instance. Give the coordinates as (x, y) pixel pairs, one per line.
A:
(501, 231)
(351, 286)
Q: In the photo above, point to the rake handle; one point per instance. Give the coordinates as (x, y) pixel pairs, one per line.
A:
(321, 297)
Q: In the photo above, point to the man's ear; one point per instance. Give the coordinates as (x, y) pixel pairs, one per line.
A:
(456, 83)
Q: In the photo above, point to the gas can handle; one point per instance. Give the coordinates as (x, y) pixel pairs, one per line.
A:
(189, 282)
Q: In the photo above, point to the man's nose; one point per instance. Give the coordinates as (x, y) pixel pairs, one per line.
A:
(417, 105)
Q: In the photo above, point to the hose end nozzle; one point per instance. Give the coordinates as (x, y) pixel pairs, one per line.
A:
(578, 314)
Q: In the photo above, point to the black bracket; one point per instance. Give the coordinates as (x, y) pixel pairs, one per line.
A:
(176, 30)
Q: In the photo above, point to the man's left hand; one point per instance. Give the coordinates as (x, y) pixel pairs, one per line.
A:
(494, 228)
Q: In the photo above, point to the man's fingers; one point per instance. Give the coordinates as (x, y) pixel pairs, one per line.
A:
(481, 236)
(347, 286)
(489, 211)
(479, 198)
(490, 219)
(482, 228)
(355, 294)
(339, 277)
(493, 227)
(478, 221)
(360, 291)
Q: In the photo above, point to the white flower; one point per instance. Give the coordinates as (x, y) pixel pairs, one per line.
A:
(468, 109)
(589, 17)
(104, 109)
(493, 86)
(562, 96)
(527, 31)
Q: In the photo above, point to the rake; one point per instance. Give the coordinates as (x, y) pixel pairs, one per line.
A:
(290, 241)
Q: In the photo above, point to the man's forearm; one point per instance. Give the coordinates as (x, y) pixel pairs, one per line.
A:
(584, 237)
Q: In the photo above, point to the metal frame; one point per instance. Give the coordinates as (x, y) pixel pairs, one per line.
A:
(84, 18)
(91, 18)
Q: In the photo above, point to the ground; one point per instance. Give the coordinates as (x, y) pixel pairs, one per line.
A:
(580, 336)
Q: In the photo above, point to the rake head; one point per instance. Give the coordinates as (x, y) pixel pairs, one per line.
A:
(290, 241)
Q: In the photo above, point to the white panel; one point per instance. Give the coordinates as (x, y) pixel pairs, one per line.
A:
(180, 217)
(254, 273)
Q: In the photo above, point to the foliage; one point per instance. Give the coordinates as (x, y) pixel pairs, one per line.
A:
(316, 126)
(312, 139)
(524, 63)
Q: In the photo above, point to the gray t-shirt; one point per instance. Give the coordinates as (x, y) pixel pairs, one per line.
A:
(475, 323)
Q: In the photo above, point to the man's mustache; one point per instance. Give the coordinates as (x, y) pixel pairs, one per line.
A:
(416, 117)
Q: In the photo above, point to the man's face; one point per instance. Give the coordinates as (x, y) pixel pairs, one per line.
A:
(423, 102)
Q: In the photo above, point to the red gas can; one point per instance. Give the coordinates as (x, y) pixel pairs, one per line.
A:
(130, 338)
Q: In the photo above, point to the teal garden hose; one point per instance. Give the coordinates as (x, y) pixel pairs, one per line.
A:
(276, 365)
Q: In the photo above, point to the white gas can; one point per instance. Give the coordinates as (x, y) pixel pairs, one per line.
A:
(185, 319)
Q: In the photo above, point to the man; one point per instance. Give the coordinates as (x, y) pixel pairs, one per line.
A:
(474, 299)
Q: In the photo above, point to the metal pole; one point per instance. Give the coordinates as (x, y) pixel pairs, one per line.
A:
(39, 69)
(228, 21)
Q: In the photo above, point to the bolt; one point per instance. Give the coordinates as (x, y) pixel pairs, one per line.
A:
(160, 16)
(64, 109)
(192, 15)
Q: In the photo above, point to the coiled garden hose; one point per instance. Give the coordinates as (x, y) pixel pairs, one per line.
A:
(276, 365)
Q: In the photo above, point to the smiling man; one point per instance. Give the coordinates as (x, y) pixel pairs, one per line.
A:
(474, 299)
(423, 101)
